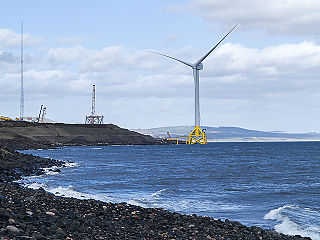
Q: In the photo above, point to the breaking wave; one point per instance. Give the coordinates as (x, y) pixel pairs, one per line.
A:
(295, 220)
(69, 191)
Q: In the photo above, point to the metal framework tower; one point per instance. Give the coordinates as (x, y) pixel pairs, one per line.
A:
(93, 109)
(38, 120)
(21, 84)
(44, 112)
(93, 118)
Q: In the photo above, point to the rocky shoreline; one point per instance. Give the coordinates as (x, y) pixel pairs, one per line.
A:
(36, 214)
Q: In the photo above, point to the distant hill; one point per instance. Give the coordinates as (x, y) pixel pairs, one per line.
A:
(233, 134)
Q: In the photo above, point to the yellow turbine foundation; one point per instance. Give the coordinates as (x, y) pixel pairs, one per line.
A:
(178, 139)
(197, 136)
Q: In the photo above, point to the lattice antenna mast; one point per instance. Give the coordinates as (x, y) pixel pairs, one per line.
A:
(93, 111)
(21, 86)
(93, 118)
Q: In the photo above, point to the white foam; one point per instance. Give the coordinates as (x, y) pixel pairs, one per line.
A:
(34, 185)
(287, 225)
(51, 170)
(68, 192)
(159, 194)
(190, 206)
(275, 214)
(291, 228)
(159, 199)
(116, 145)
(71, 164)
(140, 203)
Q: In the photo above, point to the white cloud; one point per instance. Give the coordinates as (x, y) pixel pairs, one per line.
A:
(171, 38)
(8, 62)
(140, 89)
(285, 17)
(239, 72)
(66, 55)
(113, 58)
(9, 38)
(124, 71)
(71, 40)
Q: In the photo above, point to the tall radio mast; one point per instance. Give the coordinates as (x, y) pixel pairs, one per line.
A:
(93, 118)
(93, 109)
(21, 86)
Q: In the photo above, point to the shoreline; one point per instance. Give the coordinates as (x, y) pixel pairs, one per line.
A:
(262, 140)
(28, 213)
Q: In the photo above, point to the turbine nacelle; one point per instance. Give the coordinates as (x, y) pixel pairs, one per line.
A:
(198, 67)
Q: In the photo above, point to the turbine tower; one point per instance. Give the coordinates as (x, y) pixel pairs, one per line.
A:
(197, 135)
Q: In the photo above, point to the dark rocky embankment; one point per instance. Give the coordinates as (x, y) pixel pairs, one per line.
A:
(25, 135)
(14, 165)
(36, 214)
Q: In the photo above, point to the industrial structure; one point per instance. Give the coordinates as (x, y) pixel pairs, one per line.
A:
(21, 83)
(42, 113)
(197, 135)
(2, 118)
(93, 118)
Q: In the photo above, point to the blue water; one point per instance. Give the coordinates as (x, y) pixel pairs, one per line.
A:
(271, 185)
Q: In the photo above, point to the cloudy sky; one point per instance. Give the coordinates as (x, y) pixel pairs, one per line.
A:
(264, 76)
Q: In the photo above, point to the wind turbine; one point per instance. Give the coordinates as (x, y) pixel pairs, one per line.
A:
(197, 135)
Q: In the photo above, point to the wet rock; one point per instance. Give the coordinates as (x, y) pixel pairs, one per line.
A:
(4, 214)
(50, 213)
(13, 229)
(39, 236)
(30, 199)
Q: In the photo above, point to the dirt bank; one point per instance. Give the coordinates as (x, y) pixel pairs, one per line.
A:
(22, 135)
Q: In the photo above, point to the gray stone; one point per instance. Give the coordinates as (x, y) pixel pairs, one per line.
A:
(13, 229)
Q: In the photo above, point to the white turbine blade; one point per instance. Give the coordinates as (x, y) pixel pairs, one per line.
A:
(186, 63)
(204, 57)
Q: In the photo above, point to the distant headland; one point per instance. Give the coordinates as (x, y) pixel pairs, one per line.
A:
(232, 134)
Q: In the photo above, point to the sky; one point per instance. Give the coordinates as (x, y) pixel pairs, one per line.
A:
(263, 76)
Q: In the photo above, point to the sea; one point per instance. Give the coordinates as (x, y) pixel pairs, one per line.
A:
(269, 185)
